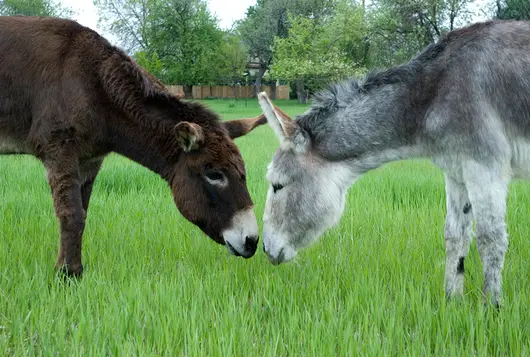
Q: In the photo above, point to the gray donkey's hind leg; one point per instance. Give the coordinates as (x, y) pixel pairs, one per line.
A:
(488, 188)
(458, 234)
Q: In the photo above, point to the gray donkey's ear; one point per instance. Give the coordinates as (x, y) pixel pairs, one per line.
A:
(287, 131)
(281, 126)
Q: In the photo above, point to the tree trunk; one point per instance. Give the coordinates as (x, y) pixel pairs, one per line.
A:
(301, 92)
(499, 9)
(234, 90)
(366, 51)
(257, 84)
(273, 90)
(188, 92)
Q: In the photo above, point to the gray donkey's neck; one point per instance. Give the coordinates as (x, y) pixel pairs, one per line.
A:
(367, 124)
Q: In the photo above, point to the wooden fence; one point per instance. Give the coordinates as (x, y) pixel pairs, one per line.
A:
(227, 92)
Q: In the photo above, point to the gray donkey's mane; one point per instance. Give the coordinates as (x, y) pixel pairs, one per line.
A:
(340, 94)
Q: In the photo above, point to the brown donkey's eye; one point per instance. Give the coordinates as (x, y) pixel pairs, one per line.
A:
(214, 175)
(277, 187)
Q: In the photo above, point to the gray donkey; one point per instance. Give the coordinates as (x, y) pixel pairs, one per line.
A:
(464, 102)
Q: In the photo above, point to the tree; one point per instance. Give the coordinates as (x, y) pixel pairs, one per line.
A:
(232, 60)
(178, 37)
(513, 9)
(268, 19)
(431, 17)
(34, 8)
(347, 29)
(309, 59)
(400, 28)
(129, 20)
(188, 41)
(151, 63)
(258, 30)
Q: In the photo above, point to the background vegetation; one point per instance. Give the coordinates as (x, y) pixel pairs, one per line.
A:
(306, 43)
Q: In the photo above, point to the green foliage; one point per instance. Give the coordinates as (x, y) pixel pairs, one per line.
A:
(182, 33)
(129, 20)
(34, 8)
(188, 41)
(268, 19)
(306, 42)
(347, 30)
(392, 40)
(317, 51)
(232, 59)
(151, 62)
(513, 9)
(349, 38)
(401, 28)
(305, 55)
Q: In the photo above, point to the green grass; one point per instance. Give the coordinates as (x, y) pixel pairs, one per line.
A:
(154, 285)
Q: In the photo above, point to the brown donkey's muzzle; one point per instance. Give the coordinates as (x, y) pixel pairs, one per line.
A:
(242, 236)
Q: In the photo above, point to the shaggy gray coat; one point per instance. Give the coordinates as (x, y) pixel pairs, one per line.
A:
(464, 102)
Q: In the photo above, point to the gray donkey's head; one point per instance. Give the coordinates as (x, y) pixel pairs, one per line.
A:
(306, 194)
(351, 128)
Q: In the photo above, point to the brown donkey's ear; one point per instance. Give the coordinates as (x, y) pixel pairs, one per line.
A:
(240, 127)
(189, 135)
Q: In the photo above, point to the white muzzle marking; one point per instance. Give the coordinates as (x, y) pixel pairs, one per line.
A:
(243, 232)
(276, 247)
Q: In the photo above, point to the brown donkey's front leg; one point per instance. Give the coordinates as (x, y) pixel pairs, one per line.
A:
(89, 171)
(65, 183)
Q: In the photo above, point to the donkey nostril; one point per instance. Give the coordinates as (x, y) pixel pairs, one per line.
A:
(281, 256)
(251, 244)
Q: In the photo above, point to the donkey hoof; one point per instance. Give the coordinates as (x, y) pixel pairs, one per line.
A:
(72, 271)
(492, 306)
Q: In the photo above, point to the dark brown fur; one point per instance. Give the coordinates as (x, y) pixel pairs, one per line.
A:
(69, 97)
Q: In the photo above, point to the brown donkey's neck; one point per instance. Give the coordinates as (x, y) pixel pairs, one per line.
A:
(151, 150)
(144, 130)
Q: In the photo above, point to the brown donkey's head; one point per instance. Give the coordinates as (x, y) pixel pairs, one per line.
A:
(209, 182)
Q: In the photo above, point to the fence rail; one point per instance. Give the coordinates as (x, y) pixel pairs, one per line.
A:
(227, 92)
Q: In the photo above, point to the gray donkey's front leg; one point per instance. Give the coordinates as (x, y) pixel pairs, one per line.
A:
(458, 235)
(488, 189)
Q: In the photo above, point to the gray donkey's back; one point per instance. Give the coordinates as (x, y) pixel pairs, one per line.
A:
(480, 106)
(484, 76)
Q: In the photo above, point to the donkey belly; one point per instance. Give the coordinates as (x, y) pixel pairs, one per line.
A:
(14, 129)
(11, 146)
(15, 119)
(521, 158)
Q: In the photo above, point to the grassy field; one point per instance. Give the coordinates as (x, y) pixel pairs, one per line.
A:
(154, 285)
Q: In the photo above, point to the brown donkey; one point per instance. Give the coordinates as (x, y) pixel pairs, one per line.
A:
(68, 97)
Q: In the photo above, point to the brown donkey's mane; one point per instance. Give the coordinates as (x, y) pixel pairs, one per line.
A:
(68, 97)
(130, 87)
(149, 105)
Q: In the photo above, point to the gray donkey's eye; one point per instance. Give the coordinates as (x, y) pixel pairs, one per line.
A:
(277, 187)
